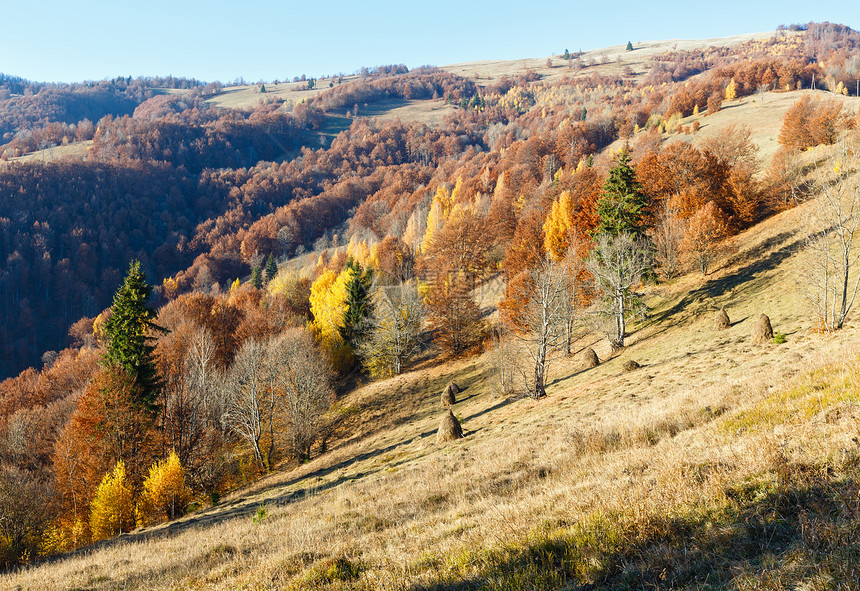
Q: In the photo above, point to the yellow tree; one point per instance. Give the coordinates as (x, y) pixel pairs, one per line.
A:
(439, 210)
(165, 494)
(360, 251)
(112, 509)
(556, 228)
(328, 305)
(732, 90)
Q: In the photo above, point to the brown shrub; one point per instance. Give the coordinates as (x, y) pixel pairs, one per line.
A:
(589, 359)
(449, 428)
(722, 322)
(763, 332)
(449, 395)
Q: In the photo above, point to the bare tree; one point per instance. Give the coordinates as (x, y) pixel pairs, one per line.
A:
(249, 398)
(830, 278)
(25, 511)
(617, 264)
(540, 322)
(394, 331)
(504, 361)
(575, 293)
(302, 378)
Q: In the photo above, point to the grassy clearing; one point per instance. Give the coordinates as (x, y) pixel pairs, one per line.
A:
(73, 151)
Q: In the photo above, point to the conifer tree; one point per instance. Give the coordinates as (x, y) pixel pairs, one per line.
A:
(359, 307)
(629, 46)
(126, 333)
(621, 207)
(271, 268)
(256, 277)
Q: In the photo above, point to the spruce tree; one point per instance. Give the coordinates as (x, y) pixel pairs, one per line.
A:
(629, 46)
(257, 276)
(621, 206)
(127, 335)
(271, 268)
(359, 307)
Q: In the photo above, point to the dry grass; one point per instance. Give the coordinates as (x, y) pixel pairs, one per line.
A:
(248, 96)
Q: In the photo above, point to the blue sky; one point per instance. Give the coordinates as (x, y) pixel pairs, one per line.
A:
(54, 40)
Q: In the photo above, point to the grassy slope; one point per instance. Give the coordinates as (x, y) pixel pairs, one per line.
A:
(611, 467)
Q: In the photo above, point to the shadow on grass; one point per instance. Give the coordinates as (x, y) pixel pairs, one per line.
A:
(784, 532)
(749, 276)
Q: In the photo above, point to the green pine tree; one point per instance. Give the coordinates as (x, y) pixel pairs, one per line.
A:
(127, 335)
(629, 46)
(359, 306)
(584, 114)
(257, 276)
(271, 268)
(566, 55)
(621, 206)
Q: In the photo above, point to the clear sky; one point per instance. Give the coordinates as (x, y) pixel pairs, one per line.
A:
(68, 40)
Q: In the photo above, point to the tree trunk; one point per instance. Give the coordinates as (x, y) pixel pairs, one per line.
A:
(540, 369)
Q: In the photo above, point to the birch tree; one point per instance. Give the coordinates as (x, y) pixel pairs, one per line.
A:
(830, 279)
(250, 399)
(539, 326)
(617, 264)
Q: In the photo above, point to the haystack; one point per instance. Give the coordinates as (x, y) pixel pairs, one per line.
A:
(763, 332)
(449, 428)
(722, 322)
(589, 359)
(449, 395)
(631, 365)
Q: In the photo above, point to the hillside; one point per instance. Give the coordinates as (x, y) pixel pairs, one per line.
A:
(227, 317)
(597, 484)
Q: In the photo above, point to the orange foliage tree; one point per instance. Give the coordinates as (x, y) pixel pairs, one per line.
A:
(705, 230)
(809, 122)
